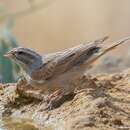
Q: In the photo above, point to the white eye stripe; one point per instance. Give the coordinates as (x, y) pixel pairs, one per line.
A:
(27, 51)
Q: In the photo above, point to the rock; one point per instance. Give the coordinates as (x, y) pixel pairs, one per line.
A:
(80, 123)
(101, 102)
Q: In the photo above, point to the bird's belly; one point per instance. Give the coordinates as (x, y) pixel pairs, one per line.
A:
(63, 81)
(66, 80)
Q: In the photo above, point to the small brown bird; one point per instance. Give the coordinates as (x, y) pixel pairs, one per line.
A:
(60, 69)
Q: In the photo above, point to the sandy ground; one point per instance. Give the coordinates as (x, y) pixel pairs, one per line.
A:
(102, 102)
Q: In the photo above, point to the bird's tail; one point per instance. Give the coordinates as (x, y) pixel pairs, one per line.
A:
(106, 49)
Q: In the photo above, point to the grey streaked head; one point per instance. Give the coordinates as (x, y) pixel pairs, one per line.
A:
(26, 58)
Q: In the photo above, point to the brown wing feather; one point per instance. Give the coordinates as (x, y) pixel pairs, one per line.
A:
(57, 64)
(65, 60)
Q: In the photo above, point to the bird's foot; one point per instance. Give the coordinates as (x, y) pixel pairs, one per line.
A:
(56, 99)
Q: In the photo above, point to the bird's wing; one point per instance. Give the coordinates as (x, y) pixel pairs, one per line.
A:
(65, 60)
(59, 62)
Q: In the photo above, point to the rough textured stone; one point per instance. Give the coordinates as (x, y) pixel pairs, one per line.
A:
(103, 102)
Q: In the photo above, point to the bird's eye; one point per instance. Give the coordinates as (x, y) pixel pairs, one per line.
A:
(20, 52)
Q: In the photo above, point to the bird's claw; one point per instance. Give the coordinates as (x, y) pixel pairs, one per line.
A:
(57, 100)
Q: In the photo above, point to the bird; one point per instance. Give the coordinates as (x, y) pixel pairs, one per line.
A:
(56, 71)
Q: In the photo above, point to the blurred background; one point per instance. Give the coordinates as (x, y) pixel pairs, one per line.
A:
(51, 25)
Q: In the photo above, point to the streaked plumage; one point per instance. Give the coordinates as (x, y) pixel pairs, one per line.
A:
(58, 70)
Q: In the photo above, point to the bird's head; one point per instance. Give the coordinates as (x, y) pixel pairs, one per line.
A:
(26, 58)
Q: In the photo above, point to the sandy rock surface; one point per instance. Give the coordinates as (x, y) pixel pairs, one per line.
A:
(101, 102)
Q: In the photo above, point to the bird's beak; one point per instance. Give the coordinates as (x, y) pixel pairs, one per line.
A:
(8, 55)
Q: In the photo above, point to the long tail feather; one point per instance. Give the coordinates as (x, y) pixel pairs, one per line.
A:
(102, 39)
(104, 50)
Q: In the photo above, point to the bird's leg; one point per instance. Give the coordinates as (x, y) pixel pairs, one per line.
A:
(54, 95)
(54, 99)
(58, 98)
